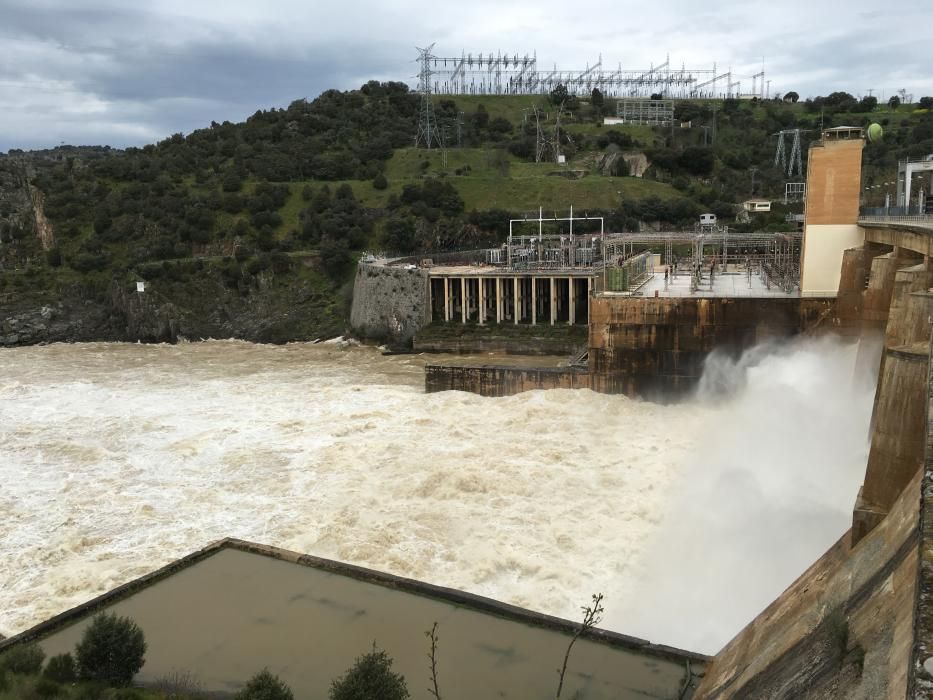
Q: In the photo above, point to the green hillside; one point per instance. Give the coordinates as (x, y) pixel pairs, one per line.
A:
(324, 179)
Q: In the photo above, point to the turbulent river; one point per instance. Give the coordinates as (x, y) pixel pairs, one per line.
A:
(116, 459)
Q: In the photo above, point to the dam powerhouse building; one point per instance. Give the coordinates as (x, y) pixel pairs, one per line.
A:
(857, 624)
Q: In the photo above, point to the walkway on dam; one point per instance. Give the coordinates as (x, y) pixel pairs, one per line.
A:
(924, 221)
(730, 284)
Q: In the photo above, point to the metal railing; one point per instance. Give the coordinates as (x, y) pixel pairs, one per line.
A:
(925, 220)
(888, 212)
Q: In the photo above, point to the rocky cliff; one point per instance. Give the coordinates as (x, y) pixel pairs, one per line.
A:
(190, 300)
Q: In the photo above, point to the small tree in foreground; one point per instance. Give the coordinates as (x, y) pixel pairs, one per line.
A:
(25, 658)
(370, 678)
(265, 686)
(61, 668)
(112, 650)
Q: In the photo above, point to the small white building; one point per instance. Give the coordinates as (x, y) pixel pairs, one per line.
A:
(756, 205)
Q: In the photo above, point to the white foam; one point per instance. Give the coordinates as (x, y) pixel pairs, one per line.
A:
(119, 458)
(116, 459)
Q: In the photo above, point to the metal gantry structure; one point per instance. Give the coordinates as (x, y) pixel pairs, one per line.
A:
(792, 165)
(520, 74)
(772, 257)
(625, 261)
(549, 251)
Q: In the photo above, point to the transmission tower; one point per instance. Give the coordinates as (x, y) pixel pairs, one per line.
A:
(789, 165)
(427, 123)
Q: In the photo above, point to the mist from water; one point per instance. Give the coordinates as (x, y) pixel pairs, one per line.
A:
(769, 486)
(117, 459)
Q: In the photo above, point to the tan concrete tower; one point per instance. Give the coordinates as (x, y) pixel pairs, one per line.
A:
(834, 184)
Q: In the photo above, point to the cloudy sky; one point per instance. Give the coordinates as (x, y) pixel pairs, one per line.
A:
(124, 73)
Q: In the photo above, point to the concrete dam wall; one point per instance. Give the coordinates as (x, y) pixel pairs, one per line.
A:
(656, 347)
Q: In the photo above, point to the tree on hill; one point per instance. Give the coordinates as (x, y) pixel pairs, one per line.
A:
(697, 160)
(926, 103)
(868, 103)
(840, 101)
(894, 102)
(480, 118)
(400, 234)
(597, 99)
(558, 95)
(791, 96)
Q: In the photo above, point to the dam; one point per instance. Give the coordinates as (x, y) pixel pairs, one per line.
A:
(856, 620)
(855, 274)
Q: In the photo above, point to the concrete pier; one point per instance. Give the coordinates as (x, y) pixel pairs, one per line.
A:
(481, 294)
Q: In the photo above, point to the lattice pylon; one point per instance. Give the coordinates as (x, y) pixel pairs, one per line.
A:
(427, 135)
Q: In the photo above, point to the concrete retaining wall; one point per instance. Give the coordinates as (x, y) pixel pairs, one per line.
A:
(489, 380)
(899, 413)
(504, 345)
(390, 304)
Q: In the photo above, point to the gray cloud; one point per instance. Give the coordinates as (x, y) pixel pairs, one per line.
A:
(97, 71)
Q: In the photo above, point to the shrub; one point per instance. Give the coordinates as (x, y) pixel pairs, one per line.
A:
(25, 658)
(47, 688)
(126, 694)
(371, 677)
(90, 691)
(265, 686)
(61, 668)
(179, 684)
(380, 182)
(112, 650)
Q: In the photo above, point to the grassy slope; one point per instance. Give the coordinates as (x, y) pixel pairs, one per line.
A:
(487, 185)
(522, 186)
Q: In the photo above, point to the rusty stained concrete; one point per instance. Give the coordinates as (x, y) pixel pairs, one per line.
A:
(492, 380)
(656, 347)
(899, 413)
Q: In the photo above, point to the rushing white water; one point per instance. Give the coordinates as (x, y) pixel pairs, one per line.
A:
(116, 459)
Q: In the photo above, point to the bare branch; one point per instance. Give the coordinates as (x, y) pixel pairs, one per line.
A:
(592, 615)
(432, 635)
